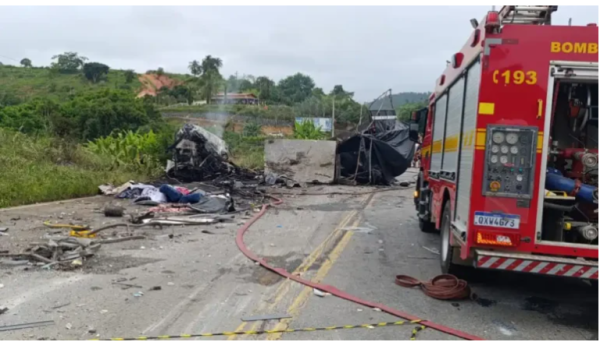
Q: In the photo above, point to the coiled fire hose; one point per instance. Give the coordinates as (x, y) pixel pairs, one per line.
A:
(444, 286)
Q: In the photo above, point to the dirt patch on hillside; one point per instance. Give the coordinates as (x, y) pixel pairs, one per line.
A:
(151, 83)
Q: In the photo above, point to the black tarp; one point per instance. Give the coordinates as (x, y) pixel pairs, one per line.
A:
(381, 155)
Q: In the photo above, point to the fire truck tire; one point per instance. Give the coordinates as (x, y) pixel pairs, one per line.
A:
(425, 225)
(418, 188)
(446, 248)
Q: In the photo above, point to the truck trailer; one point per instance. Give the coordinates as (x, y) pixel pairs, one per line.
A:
(509, 156)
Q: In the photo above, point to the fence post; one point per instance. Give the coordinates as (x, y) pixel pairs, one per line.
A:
(333, 118)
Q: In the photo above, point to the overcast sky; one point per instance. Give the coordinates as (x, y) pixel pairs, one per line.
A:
(366, 49)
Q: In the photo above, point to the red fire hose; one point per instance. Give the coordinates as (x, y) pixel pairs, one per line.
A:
(239, 240)
(445, 286)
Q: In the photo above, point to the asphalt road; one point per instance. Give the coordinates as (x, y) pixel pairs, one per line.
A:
(207, 285)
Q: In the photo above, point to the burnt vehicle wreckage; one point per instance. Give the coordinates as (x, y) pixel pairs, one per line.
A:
(376, 154)
(381, 150)
(200, 155)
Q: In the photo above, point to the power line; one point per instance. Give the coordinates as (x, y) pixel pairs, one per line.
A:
(9, 58)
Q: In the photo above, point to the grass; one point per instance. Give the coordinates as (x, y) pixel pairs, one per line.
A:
(246, 152)
(27, 83)
(40, 169)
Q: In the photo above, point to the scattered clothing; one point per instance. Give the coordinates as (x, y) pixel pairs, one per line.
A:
(150, 193)
(214, 204)
(173, 195)
(110, 190)
(184, 191)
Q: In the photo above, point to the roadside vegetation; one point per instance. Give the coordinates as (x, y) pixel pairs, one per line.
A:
(70, 126)
(40, 168)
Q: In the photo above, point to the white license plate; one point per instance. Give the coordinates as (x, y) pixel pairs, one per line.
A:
(486, 219)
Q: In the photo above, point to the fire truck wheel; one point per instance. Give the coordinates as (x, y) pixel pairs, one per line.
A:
(446, 249)
(418, 188)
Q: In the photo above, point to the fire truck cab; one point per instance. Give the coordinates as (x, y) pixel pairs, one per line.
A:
(509, 157)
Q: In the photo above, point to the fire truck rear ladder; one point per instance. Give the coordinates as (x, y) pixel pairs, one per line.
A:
(536, 15)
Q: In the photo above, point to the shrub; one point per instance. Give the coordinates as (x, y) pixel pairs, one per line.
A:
(252, 129)
(134, 151)
(39, 168)
(307, 130)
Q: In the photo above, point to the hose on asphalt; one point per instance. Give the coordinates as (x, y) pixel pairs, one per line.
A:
(445, 286)
(239, 240)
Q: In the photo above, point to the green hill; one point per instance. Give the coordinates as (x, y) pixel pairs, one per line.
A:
(18, 84)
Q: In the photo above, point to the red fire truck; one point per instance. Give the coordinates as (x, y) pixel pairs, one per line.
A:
(509, 172)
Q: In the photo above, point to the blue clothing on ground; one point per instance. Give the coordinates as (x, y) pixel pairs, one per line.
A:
(174, 196)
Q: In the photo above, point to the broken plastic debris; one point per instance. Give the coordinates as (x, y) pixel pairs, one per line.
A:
(68, 326)
(103, 311)
(377, 309)
(170, 283)
(359, 229)
(138, 294)
(319, 292)
(431, 249)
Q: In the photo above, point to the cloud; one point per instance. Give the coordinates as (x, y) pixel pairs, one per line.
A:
(366, 49)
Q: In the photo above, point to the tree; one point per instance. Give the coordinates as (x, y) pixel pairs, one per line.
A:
(129, 75)
(318, 92)
(265, 87)
(94, 114)
(338, 91)
(68, 62)
(296, 88)
(160, 71)
(245, 85)
(405, 111)
(232, 85)
(210, 63)
(26, 62)
(211, 80)
(195, 68)
(95, 71)
(210, 83)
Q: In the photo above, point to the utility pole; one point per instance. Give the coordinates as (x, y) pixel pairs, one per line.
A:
(333, 118)
(360, 117)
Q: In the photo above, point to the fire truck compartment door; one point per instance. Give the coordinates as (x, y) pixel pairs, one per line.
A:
(576, 70)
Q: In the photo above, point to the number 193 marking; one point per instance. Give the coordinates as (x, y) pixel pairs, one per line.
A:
(515, 77)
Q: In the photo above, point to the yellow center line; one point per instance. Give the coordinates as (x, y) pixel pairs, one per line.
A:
(284, 288)
(305, 294)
